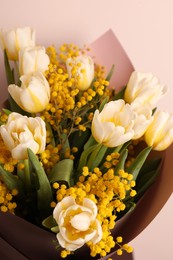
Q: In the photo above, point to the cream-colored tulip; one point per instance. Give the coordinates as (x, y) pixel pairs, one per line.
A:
(22, 132)
(146, 87)
(143, 118)
(77, 223)
(33, 59)
(33, 95)
(82, 69)
(159, 134)
(14, 40)
(113, 126)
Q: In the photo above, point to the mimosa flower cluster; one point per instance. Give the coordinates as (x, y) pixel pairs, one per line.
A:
(74, 151)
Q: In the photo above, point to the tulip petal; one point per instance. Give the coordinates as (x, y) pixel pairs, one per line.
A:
(15, 93)
(98, 236)
(91, 205)
(69, 246)
(67, 202)
(81, 221)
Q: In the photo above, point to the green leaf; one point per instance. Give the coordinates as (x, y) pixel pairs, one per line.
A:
(121, 163)
(49, 128)
(145, 183)
(49, 222)
(84, 157)
(96, 157)
(62, 171)
(44, 193)
(120, 94)
(11, 181)
(91, 141)
(150, 165)
(123, 147)
(6, 111)
(79, 139)
(110, 72)
(11, 80)
(137, 164)
(8, 70)
(55, 229)
(65, 143)
(104, 102)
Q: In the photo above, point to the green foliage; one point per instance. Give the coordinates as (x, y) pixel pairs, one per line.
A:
(44, 191)
(62, 172)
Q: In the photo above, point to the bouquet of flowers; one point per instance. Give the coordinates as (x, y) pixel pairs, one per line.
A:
(75, 151)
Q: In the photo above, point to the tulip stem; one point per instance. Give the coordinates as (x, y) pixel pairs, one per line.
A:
(27, 174)
(17, 74)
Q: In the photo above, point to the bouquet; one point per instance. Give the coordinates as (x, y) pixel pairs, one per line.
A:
(75, 152)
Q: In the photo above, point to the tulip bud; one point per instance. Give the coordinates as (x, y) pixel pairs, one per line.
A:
(159, 134)
(14, 40)
(81, 68)
(146, 87)
(33, 95)
(33, 59)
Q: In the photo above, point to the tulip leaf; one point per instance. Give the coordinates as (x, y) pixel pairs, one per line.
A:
(9, 72)
(120, 165)
(91, 141)
(145, 182)
(96, 157)
(108, 77)
(65, 143)
(11, 80)
(104, 102)
(44, 193)
(123, 147)
(150, 165)
(6, 111)
(49, 222)
(79, 139)
(84, 157)
(120, 94)
(137, 164)
(11, 181)
(55, 229)
(154, 110)
(49, 128)
(62, 171)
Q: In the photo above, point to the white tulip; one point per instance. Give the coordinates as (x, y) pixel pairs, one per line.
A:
(77, 223)
(159, 134)
(33, 95)
(22, 132)
(146, 87)
(113, 126)
(14, 40)
(82, 69)
(143, 118)
(33, 59)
